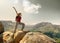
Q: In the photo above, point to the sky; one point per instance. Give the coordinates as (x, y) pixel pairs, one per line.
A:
(33, 11)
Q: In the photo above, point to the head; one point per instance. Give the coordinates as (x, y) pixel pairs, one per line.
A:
(19, 14)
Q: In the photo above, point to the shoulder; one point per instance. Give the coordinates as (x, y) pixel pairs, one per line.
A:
(16, 16)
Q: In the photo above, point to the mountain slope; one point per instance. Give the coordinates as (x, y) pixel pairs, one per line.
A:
(46, 26)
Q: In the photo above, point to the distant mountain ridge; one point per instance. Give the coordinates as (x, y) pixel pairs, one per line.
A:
(6, 24)
(43, 26)
(9, 25)
(46, 26)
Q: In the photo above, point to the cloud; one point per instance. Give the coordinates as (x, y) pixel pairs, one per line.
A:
(10, 1)
(30, 7)
(16, 1)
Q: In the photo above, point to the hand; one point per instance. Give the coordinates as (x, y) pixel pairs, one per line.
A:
(14, 7)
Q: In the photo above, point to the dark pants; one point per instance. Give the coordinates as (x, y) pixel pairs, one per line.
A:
(23, 25)
(19, 23)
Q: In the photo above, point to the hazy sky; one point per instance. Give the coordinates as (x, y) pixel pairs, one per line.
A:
(33, 11)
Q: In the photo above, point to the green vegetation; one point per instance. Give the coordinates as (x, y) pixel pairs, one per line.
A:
(53, 35)
(57, 40)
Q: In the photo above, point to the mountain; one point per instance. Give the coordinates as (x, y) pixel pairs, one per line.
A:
(9, 25)
(43, 26)
(46, 26)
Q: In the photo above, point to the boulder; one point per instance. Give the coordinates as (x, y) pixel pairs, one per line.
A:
(27, 37)
(1, 31)
(7, 36)
(36, 37)
(1, 28)
(19, 35)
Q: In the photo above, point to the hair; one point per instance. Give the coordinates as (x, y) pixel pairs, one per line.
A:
(19, 13)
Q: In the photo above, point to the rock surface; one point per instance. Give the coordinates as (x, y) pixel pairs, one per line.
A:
(1, 31)
(27, 37)
(1, 28)
(19, 35)
(7, 36)
(36, 37)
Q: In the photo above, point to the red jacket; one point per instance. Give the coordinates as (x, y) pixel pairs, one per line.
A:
(18, 18)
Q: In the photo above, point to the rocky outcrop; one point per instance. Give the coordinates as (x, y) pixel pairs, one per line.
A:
(7, 36)
(36, 37)
(19, 35)
(1, 28)
(1, 31)
(27, 37)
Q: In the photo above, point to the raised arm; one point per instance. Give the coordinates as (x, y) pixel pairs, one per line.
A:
(15, 10)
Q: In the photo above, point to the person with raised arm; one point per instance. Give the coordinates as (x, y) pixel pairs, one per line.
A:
(18, 20)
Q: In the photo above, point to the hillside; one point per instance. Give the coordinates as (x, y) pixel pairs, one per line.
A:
(46, 26)
(43, 26)
(8, 25)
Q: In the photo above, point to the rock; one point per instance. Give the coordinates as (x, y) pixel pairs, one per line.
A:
(1, 28)
(1, 32)
(7, 36)
(36, 37)
(27, 37)
(19, 35)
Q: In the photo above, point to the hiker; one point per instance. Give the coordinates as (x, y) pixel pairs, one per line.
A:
(18, 20)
